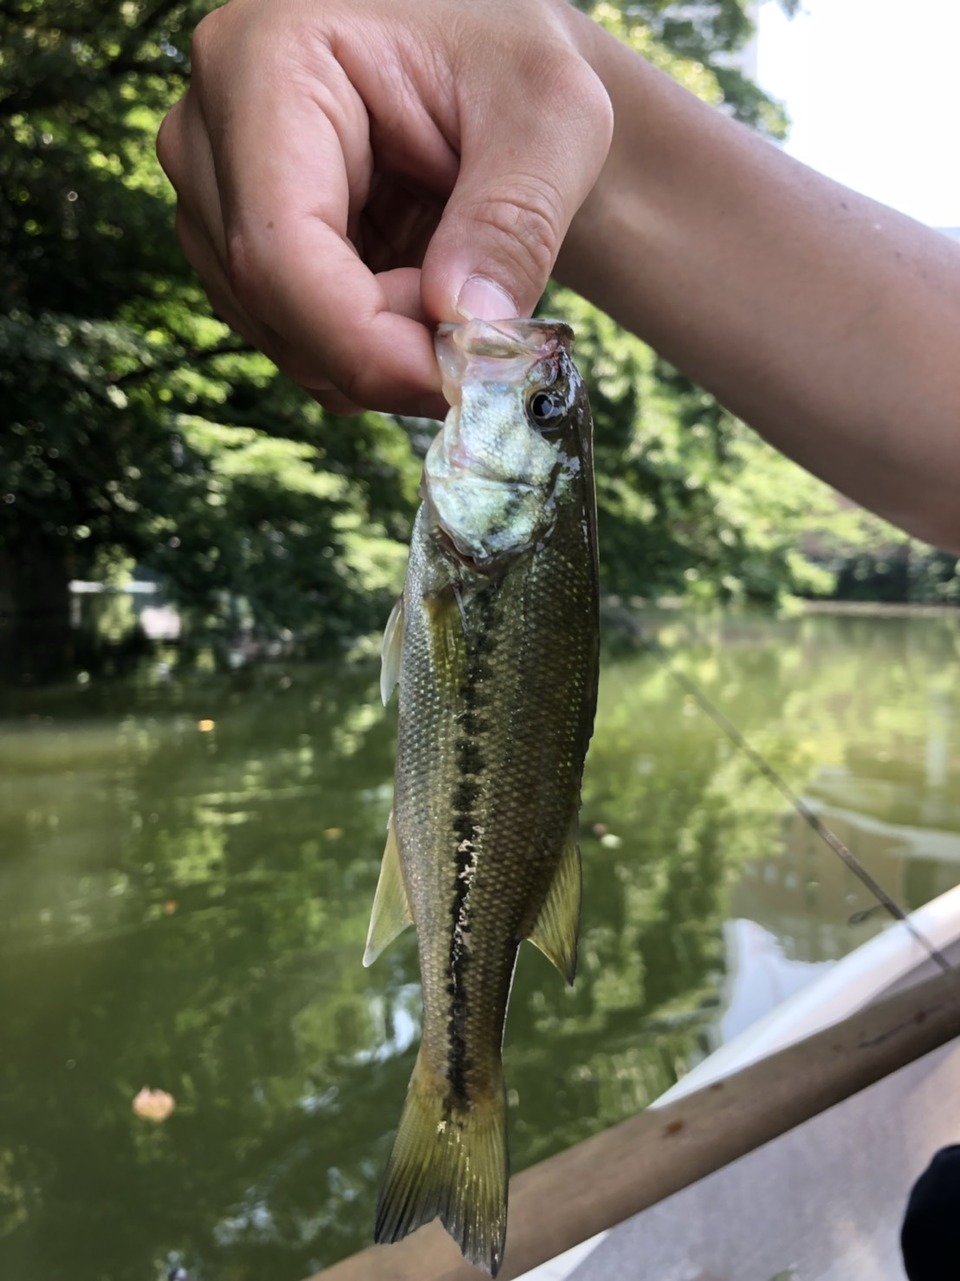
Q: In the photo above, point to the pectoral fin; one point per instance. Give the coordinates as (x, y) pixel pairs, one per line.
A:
(557, 926)
(447, 638)
(391, 650)
(391, 911)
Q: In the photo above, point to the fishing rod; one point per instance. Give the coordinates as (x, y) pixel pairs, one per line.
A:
(740, 741)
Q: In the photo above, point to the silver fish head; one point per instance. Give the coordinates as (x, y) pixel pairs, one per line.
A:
(512, 443)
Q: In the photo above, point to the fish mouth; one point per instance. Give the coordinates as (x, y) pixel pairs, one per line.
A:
(480, 477)
(477, 560)
(468, 558)
(502, 351)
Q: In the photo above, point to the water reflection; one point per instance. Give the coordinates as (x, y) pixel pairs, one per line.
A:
(759, 976)
(186, 872)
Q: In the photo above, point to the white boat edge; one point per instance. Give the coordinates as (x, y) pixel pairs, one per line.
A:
(851, 983)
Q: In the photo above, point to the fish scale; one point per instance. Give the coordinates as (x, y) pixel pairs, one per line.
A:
(494, 647)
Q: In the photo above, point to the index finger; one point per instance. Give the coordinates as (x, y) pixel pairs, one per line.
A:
(293, 165)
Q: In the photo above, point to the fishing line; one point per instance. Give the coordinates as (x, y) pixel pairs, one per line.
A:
(735, 736)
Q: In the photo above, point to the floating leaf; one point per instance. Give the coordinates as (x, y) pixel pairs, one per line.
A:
(153, 1105)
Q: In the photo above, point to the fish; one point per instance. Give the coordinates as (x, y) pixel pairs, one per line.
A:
(494, 645)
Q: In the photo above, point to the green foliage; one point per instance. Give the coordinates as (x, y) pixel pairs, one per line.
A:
(134, 423)
(694, 43)
(691, 502)
(134, 426)
(856, 556)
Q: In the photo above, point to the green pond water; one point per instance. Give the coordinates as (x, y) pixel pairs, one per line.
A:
(186, 872)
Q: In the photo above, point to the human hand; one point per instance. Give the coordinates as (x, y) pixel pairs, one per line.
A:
(350, 172)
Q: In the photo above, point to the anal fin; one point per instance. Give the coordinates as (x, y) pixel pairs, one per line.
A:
(391, 911)
(558, 924)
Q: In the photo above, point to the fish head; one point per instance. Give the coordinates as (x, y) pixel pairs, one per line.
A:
(513, 442)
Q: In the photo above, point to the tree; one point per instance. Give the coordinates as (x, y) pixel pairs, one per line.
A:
(134, 425)
(136, 428)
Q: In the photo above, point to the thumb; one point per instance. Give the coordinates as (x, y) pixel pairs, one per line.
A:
(529, 156)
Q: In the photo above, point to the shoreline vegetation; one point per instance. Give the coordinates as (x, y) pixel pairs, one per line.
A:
(110, 644)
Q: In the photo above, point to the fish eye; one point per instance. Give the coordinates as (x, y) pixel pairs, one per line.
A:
(546, 408)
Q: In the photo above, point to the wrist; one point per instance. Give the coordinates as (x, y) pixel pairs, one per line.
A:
(613, 212)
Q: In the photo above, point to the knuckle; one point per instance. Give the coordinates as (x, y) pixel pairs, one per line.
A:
(334, 403)
(528, 222)
(167, 148)
(553, 74)
(353, 378)
(592, 104)
(248, 274)
(293, 363)
(561, 86)
(347, 383)
(187, 237)
(206, 37)
(251, 276)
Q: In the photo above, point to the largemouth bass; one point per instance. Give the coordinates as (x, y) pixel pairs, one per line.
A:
(494, 644)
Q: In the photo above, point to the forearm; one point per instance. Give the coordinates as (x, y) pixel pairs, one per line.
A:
(828, 322)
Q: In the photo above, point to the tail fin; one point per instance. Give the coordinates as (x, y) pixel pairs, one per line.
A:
(451, 1163)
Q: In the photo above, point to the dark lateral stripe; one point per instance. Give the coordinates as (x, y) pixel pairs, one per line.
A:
(467, 791)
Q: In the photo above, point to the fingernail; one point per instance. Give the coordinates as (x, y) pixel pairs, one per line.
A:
(481, 299)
